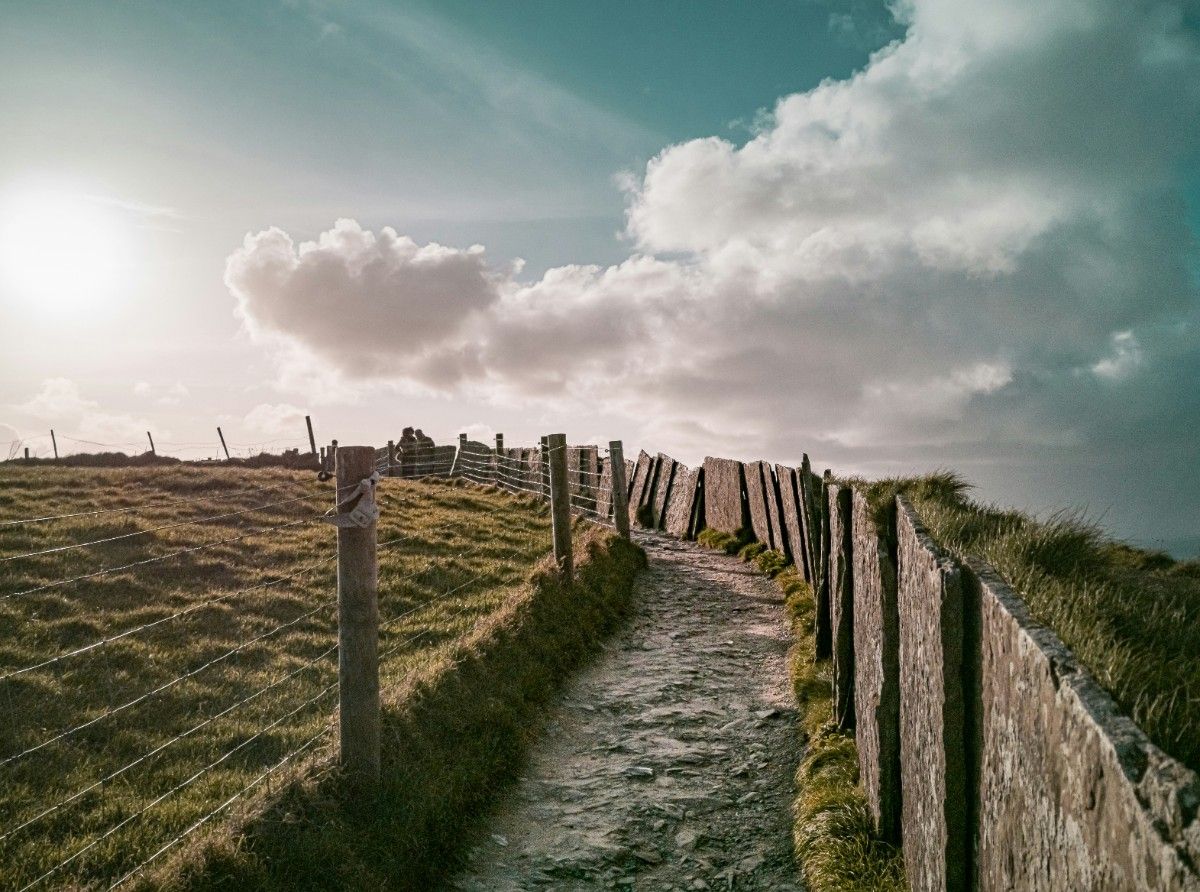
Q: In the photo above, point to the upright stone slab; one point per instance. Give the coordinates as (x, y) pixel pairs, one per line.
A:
(933, 761)
(774, 511)
(789, 500)
(822, 624)
(812, 508)
(532, 465)
(724, 508)
(876, 671)
(663, 482)
(756, 496)
(640, 484)
(681, 501)
(840, 604)
(604, 494)
(1072, 794)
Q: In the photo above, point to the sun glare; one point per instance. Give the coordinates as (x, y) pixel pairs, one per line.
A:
(60, 249)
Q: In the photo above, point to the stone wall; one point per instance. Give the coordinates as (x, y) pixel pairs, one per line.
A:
(876, 672)
(933, 711)
(663, 480)
(1072, 795)
(757, 498)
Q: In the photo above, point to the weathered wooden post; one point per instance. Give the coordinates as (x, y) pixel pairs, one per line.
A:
(27, 454)
(391, 467)
(545, 468)
(620, 489)
(358, 625)
(555, 465)
(312, 441)
(498, 463)
(54, 443)
(148, 437)
(223, 446)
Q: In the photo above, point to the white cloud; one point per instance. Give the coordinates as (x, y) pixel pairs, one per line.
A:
(276, 420)
(162, 394)
(60, 404)
(917, 259)
(1126, 356)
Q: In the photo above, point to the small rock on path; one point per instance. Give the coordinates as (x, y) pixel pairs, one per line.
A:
(668, 762)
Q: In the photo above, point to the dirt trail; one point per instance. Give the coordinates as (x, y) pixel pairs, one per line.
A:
(668, 762)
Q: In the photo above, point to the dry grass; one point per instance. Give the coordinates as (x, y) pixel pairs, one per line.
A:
(469, 550)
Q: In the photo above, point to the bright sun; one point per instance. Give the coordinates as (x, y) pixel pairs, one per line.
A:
(61, 249)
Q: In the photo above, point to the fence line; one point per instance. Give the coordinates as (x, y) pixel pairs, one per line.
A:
(573, 494)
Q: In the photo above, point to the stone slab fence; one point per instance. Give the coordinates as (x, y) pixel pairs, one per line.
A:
(985, 749)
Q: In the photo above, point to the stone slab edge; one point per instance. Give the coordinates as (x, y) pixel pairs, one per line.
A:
(1072, 794)
(933, 720)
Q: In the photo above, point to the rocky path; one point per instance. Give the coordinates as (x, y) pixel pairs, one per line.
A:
(668, 763)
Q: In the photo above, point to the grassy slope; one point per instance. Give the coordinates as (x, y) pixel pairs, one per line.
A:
(455, 731)
(499, 539)
(1131, 616)
(835, 847)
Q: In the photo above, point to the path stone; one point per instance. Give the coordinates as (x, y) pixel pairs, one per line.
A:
(668, 762)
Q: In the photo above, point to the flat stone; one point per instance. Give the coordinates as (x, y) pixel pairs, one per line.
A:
(664, 480)
(876, 671)
(840, 604)
(757, 473)
(774, 510)
(932, 715)
(789, 504)
(681, 501)
(639, 483)
(724, 508)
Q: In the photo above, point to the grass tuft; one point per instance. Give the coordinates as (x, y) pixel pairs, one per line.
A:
(730, 543)
(835, 846)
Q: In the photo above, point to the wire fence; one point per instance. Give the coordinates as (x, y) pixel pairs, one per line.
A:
(162, 661)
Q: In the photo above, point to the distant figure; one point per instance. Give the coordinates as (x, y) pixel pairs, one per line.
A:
(424, 453)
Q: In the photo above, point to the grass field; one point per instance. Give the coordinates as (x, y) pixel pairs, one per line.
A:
(227, 592)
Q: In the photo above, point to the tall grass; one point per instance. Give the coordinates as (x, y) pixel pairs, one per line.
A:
(1131, 616)
(465, 551)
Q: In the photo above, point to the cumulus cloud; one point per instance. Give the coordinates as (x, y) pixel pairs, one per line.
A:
(918, 260)
(162, 394)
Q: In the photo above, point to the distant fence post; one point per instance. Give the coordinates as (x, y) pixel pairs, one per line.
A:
(358, 626)
(391, 467)
(620, 488)
(148, 437)
(223, 446)
(545, 468)
(54, 443)
(555, 465)
(498, 475)
(456, 469)
(312, 441)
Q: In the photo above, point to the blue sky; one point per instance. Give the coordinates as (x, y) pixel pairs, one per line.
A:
(742, 232)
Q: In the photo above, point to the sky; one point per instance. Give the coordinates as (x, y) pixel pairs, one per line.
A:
(901, 237)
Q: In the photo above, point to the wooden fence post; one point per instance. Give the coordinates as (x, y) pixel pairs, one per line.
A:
(54, 443)
(312, 441)
(456, 469)
(358, 627)
(151, 439)
(391, 468)
(545, 469)
(223, 446)
(555, 465)
(620, 489)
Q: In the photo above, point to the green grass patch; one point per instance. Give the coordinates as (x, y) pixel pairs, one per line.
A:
(1131, 616)
(730, 543)
(771, 562)
(456, 728)
(462, 555)
(835, 846)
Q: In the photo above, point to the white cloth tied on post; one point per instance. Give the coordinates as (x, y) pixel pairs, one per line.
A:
(361, 509)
